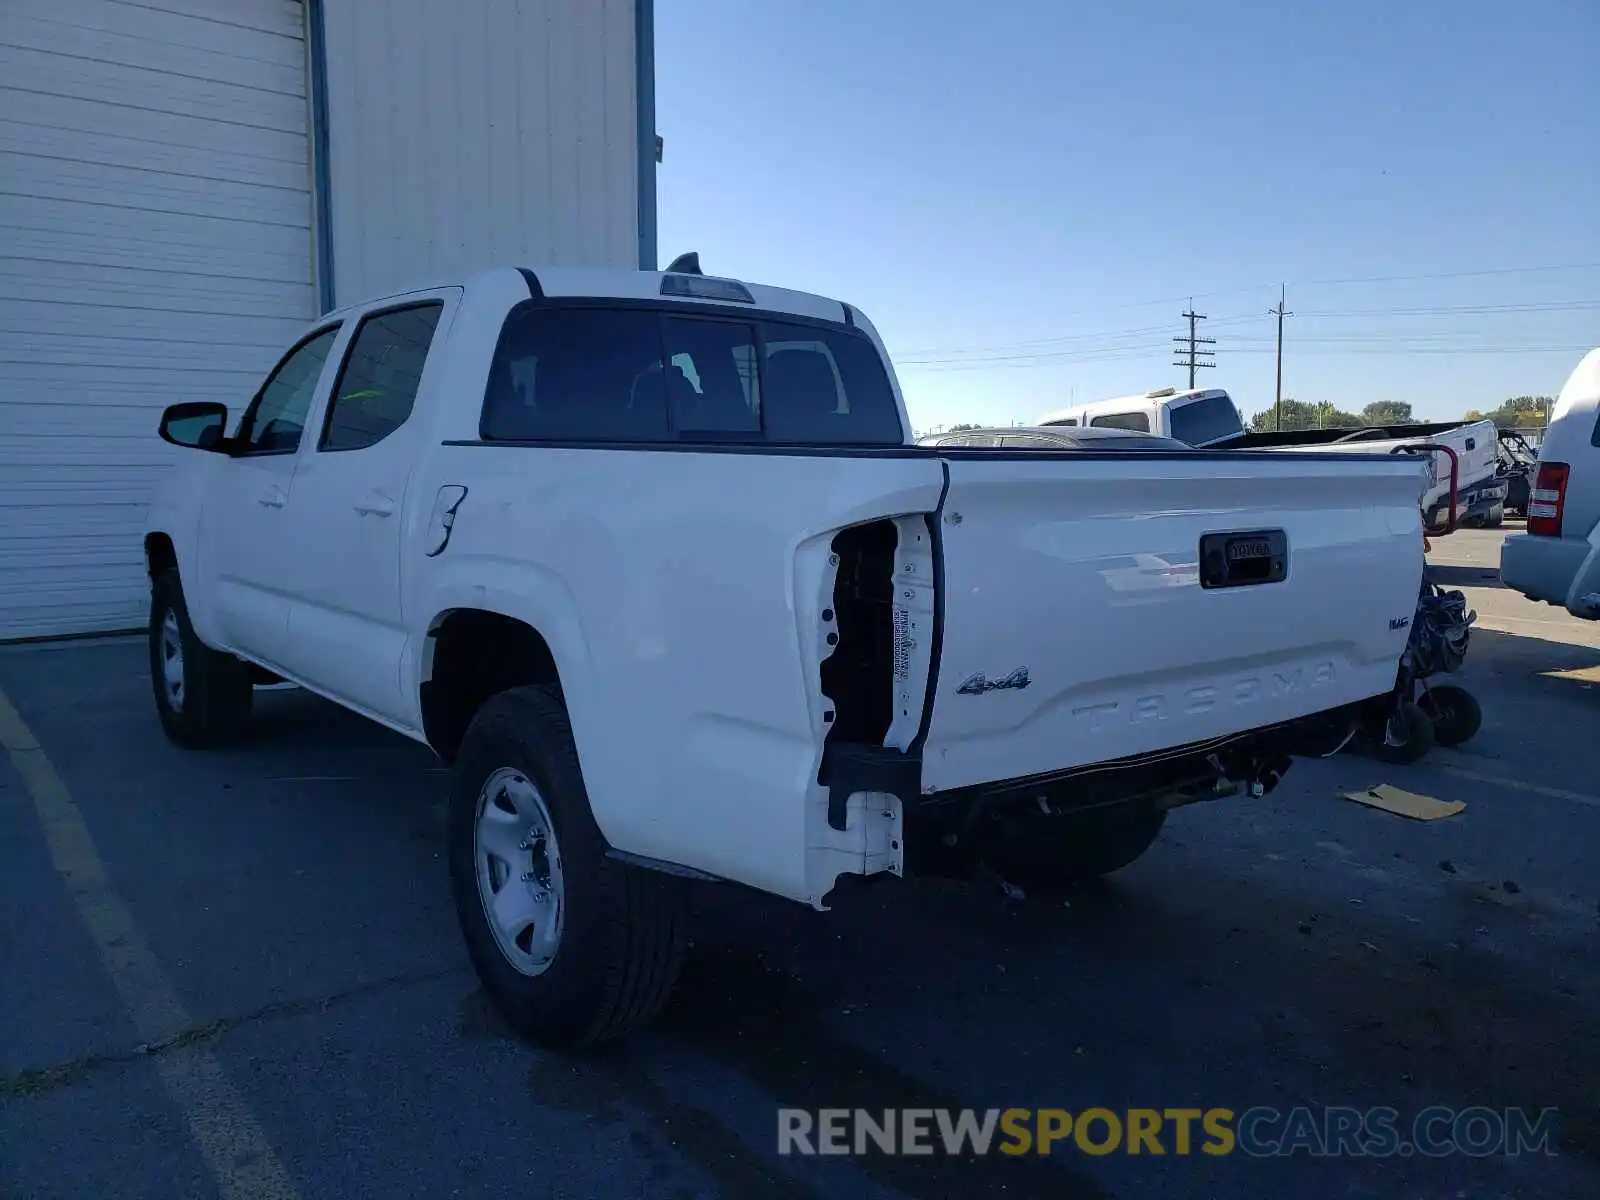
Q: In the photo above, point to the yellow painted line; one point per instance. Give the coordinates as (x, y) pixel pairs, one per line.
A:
(1519, 785)
(229, 1139)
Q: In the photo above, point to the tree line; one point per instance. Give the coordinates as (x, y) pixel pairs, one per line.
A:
(1518, 412)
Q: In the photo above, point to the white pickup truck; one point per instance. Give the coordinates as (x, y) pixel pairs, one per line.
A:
(651, 560)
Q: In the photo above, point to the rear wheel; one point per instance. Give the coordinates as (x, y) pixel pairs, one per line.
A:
(203, 696)
(1407, 735)
(573, 947)
(1053, 851)
(1454, 712)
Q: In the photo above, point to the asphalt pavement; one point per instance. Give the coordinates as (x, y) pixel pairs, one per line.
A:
(238, 973)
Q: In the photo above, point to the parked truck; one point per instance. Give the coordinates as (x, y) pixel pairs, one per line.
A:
(650, 559)
(1467, 480)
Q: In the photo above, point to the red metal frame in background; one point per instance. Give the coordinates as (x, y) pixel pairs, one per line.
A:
(1455, 481)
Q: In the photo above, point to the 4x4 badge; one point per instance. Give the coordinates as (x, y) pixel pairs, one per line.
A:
(977, 685)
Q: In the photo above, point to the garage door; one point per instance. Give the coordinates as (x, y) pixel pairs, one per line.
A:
(155, 246)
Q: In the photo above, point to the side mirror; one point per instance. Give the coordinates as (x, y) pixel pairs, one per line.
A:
(195, 425)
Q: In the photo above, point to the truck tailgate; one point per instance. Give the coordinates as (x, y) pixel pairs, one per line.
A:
(1077, 626)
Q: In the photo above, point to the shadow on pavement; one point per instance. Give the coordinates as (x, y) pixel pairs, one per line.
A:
(1516, 656)
(1454, 575)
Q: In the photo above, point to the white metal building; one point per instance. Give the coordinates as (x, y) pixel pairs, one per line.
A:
(185, 183)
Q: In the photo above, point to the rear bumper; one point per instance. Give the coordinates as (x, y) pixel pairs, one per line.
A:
(1472, 504)
(1551, 569)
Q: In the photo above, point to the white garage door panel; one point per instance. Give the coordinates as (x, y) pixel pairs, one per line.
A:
(146, 154)
(165, 290)
(47, 72)
(125, 119)
(107, 419)
(139, 187)
(155, 247)
(111, 321)
(208, 37)
(181, 232)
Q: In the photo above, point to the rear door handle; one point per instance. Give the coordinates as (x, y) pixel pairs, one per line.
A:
(274, 497)
(375, 505)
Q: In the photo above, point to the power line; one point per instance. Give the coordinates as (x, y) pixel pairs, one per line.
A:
(1450, 274)
(1354, 279)
(1196, 356)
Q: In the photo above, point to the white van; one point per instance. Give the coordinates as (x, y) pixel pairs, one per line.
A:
(1200, 416)
(1558, 559)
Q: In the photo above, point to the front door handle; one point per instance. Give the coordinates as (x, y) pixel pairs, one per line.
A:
(274, 497)
(375, 505)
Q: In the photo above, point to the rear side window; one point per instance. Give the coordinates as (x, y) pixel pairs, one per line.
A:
(578, 374)
(642, 374)
(378, 386)
(826, 387)
(1204, 421)
(1137, 421)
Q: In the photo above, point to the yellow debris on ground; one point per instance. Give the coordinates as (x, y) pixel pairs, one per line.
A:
(1406, 804)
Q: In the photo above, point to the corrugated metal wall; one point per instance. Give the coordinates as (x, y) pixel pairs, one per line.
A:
(477, 132)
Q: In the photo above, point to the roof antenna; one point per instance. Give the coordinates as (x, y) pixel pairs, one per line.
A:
(685, 264)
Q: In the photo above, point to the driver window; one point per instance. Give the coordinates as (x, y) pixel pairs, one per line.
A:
(277, 416)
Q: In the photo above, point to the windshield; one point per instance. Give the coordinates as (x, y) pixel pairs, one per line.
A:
(1205, 420)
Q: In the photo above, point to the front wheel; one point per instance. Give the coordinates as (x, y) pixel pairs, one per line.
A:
(1454, 712)
(203, 696)
(573, 947)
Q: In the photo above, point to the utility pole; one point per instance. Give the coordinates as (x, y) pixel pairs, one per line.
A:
(1277, 403)
(1195, 356)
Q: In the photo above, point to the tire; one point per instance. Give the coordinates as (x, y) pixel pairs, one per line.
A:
(1495, 517)
(605, 940)
(203, 696)
(1406, 737)
(1454, 712)
(1057, 851)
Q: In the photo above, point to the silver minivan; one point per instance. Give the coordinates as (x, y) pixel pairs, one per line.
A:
(1558, 559)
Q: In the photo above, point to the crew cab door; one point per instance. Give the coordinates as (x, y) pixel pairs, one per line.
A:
(346, 623)
(244, 525)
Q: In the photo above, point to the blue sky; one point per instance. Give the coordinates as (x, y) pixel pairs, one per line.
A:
(1024, 194)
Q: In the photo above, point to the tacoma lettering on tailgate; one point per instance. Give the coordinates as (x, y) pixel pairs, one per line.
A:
(1248, 689)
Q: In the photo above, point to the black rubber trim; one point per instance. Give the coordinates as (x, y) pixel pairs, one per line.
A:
(851, 767)
(675, 308)
(898, 450)
(1245, 738)
(660, 864)
(849, 315)
(532, 280)
(935, 531)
